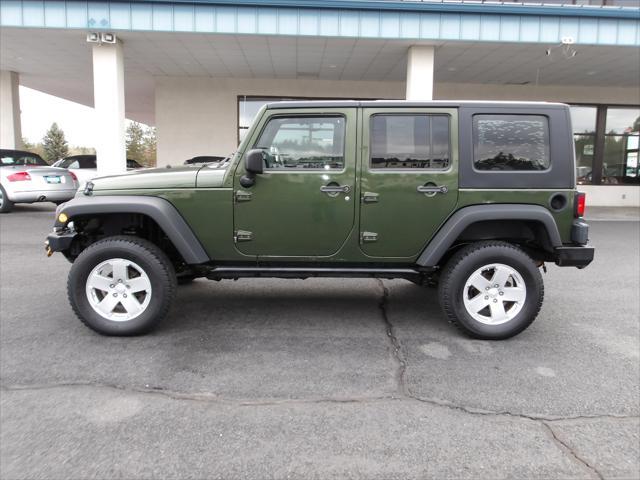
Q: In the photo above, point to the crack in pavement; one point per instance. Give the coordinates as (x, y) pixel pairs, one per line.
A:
(403, 394)
(566, 448)
(206, 397)
(404, 391)
(214, 398)
(396, 349)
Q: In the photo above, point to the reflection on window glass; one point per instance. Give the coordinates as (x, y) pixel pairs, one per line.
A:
(583, 119)
(622, 120)
(303, 143)
(510, 142)
(585, 149)
(620, 162)
(410, 141)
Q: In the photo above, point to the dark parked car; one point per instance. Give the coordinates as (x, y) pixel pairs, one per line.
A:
(204, 159)
(85, 166)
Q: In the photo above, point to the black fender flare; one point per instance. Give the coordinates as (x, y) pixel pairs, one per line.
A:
(455, 225)
(160, 210)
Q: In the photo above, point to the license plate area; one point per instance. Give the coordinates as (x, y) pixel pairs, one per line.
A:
(53, 178)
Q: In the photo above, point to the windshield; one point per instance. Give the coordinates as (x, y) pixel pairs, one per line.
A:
(22, 159)
(133, 164)
(77, 161)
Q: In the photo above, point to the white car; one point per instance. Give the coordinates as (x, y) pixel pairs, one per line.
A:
(26, 178)
(85, 168)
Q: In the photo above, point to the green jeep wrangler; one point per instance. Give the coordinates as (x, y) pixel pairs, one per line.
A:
(472, 197)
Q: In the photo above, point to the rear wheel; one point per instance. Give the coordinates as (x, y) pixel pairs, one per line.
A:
(491, 290)
(6, 205)
(121, 286)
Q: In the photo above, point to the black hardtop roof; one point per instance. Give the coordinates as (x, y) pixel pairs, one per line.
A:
(408, 104)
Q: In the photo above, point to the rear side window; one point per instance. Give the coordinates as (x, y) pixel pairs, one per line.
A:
(410, 141)
(511, 142)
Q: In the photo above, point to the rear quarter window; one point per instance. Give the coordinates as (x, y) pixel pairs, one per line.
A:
(505, 142)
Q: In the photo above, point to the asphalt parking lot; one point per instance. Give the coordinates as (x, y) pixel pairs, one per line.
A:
(319, 378)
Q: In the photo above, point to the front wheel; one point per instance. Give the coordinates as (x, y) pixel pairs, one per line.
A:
(491, 290)
(121, 286)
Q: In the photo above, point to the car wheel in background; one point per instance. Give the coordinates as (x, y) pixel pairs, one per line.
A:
(491, 290)
(6, 205)
(121, 286)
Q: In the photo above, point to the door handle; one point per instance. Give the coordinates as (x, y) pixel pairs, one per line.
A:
(335, 189)
(431, 189)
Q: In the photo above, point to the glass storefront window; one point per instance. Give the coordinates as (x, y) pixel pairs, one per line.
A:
(585, 150)
(620, 162)
(622, 120)
(584, 119)
(248, 109)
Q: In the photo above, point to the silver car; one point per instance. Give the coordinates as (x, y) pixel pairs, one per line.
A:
(26, 178)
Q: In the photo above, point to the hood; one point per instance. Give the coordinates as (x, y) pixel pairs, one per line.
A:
(149, 178)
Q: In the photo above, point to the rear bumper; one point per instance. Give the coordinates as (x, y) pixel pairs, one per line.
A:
(573, 256)
(41, 196)
(577, 254)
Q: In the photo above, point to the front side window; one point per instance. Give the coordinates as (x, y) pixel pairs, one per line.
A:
(511, 142)
(297, 143)
(409, 141)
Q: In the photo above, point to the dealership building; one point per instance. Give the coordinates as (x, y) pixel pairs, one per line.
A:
(199, 70)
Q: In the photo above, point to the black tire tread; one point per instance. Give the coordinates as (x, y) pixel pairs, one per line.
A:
(150, 248)
(445, 291)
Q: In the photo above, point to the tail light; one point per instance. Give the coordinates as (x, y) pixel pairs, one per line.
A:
(73, 175)
(19, 177)
(580, 204)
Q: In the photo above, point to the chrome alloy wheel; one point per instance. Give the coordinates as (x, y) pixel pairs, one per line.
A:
(1, 198)
(118, 289)
(494, 294)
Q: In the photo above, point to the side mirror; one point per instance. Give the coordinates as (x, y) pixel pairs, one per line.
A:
(254, 165)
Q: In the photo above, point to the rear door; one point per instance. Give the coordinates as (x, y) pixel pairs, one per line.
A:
(409, 163)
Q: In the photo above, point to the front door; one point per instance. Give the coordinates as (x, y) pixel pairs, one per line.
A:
(409, 178)
(302, 205)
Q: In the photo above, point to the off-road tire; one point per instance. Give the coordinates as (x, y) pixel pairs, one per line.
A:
(464, 263)
(145, 254)
(6, 205)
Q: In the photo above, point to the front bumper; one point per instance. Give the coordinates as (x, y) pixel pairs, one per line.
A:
(59, 241)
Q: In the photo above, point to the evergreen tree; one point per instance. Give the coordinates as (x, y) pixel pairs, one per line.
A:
(54, 144)
(135, 141)
(27, 145)
(150, 145)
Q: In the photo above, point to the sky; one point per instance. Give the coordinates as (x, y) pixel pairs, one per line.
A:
(39, 111)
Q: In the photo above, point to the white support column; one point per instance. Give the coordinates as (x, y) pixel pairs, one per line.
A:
(10, 128)
(108, 95)
(420, 73)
